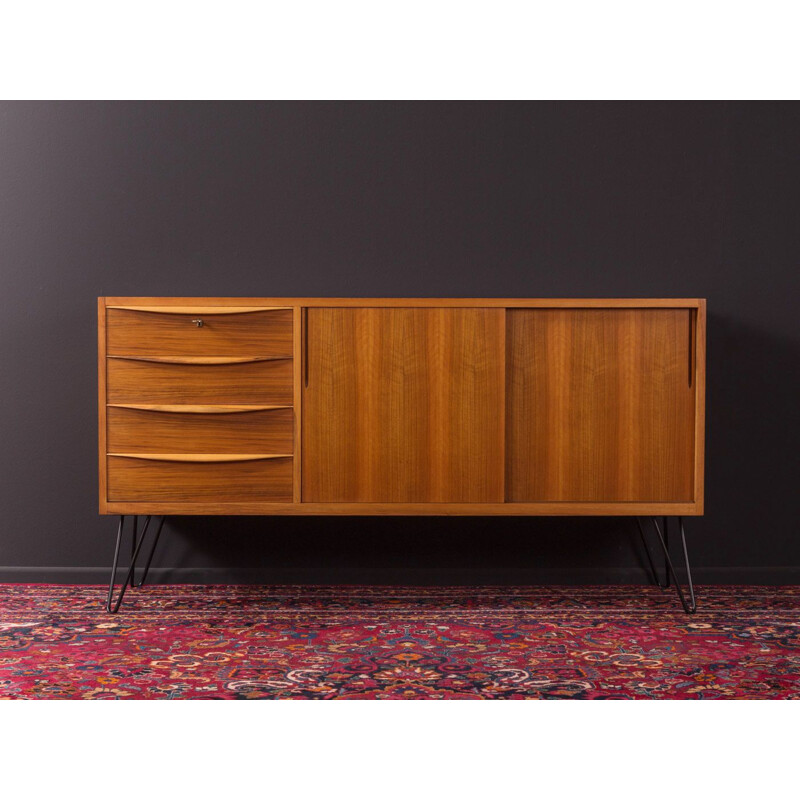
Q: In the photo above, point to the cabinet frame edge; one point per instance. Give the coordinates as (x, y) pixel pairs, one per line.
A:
(415, 302)
(700, 407)
(101, 406)
(258, 508)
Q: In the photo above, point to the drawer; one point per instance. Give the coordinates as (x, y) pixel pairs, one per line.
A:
(148, 479)
(132, 332)
(199, 429)
(131, 380)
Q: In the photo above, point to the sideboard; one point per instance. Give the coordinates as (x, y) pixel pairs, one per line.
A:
(401, 406)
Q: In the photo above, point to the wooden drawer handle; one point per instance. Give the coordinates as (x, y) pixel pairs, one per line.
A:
(207, 360)
(190, 409)
(201, 458)
(198, 310)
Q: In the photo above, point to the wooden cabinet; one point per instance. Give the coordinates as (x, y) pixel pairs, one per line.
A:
(401, 406)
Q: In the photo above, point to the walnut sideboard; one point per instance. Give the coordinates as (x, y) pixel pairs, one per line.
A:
(401, 406)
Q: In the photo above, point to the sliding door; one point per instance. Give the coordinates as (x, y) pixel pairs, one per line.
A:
(404, 405)
(600, 405)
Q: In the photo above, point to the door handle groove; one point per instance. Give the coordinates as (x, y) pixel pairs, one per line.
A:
(305, 347)
(692, 344)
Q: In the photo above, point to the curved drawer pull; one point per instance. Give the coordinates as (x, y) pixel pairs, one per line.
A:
(191, 409)
(202, 458)
(203, 360)
(197, 310)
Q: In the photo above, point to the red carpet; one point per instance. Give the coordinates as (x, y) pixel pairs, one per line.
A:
(239, 642)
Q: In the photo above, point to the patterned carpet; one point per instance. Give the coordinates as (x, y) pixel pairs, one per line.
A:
(242, 642)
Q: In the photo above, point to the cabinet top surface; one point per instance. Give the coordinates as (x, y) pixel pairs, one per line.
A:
(411, 302)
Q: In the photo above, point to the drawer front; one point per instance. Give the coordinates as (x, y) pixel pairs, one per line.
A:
(144, 480)
(256, 382)
(219, 429)
(255, 333)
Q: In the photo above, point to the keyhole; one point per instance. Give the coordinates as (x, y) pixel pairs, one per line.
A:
(198, 322)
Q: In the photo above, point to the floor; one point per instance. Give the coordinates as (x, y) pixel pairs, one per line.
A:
(333, 642)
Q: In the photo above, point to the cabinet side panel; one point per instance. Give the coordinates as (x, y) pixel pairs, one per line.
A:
(600, 406)
(101, 404)
(700, 409)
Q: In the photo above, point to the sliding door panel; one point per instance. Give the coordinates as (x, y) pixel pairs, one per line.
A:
(404, 405)
(600, 405)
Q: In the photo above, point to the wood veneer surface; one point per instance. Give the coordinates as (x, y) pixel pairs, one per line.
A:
(144, 431)
(258, 382)
(145, 333)
(138, 480)
(404, 405)
(600, 406)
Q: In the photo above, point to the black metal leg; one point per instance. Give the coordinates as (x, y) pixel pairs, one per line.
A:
(665, 521)
(133, 546)
(688, 571)
(691, 606)
(139, 541)
(114, 565)
(152, 551)
(653, 569)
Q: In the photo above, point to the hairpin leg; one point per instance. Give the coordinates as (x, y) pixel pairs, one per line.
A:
(114, 563)
(150, 557)
(653, 569)
(133, 547)
(136, 546)
(689, 606)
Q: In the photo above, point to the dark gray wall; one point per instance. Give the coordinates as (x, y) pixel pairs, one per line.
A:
(398, 199)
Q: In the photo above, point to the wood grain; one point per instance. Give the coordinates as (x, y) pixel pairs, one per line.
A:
(599, 406)
(262, 382)
(132, 430)
(143, 333)
(137, 480)
(407, 509)
(403, 405)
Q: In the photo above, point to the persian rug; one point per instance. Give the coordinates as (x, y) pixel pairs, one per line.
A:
(333, 642)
